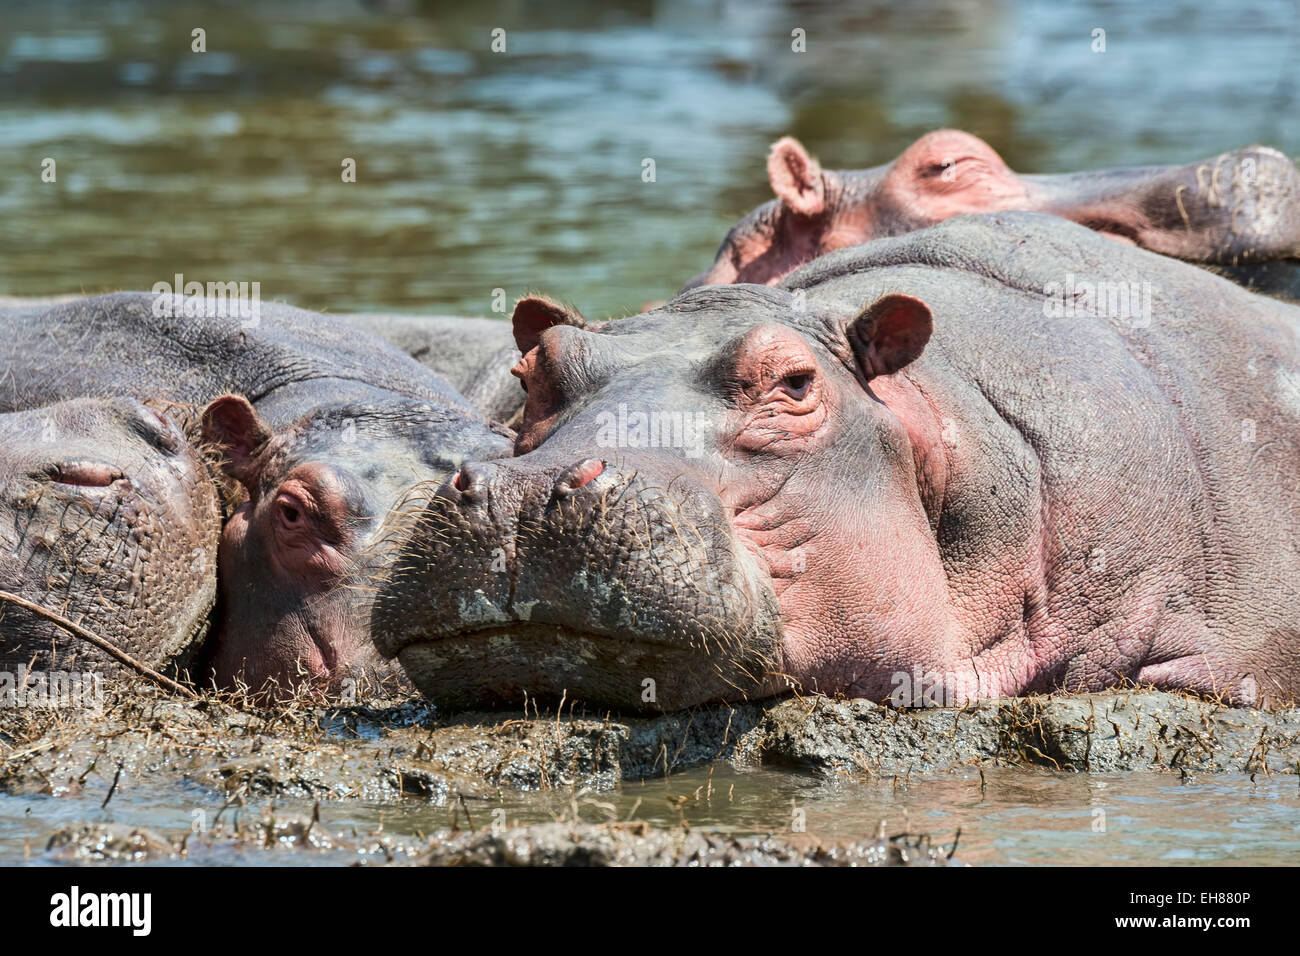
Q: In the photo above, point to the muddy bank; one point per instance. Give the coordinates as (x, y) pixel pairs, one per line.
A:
(1100, 733)
(405, 750)
(267, 841)
(560, 844)
(548, 844)
(376, 752)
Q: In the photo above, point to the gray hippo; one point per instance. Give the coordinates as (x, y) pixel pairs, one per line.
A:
(475, 355)
(916, 470)
(109, 517)
(322, 425)
(1238, 212)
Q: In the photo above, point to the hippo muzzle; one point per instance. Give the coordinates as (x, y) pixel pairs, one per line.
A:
(581, 580)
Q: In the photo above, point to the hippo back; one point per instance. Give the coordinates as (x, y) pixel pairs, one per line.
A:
(475, 355)
(116, 343)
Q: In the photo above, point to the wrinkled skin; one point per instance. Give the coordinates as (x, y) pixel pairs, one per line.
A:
(323, 427)
(904, 467)
(109, 517)
(1238, 212)
(475, 355)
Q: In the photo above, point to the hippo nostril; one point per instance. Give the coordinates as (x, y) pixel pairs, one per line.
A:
(471, 481)
(579, 475)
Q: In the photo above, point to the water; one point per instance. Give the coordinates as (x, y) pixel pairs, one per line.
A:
(523, 170)
(1010, 817)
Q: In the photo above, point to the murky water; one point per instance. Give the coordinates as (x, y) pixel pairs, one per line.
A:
(524, 170)
(1010, 817)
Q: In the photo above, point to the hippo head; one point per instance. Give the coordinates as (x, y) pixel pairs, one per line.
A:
(1237, 208)
(293, 596)
(109, 517)
(818, 210)
(707, 503)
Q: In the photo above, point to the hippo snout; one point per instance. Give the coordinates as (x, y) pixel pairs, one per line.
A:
(575, 576)
(473, 481)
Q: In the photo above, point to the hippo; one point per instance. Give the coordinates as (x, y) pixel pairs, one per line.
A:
(110, 517)
(323, 426)
(917, 471)
(475, 355)
(1238, 212)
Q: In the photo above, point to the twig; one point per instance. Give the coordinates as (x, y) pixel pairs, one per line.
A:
(105, 646)
(113, 789)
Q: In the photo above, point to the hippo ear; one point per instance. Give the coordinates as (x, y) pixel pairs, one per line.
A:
(232, 424)
(535, 314)
(796, 177)
(890, 333)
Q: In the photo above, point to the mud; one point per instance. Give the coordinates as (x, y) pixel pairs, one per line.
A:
(1099, 733)
(546, 844)
(378, 751)
(236, 761)
(260, 842)
(396, 750)
(560, 844)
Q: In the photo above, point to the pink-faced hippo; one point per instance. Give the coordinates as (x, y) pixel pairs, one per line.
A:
(916, 470)
(1238, 212)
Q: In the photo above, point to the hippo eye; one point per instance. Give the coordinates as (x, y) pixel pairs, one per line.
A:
(797, 383)
(155, 429)
(87, 474)
(291, 511)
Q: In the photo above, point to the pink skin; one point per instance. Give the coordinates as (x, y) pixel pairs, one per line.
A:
(87, 474)
(1237, 206)
(789, 409)
(297, 531)
(870, 598)
(943, 174)
(857, 574)
(295, 558)
(299, 523)
(861, 586)
(838, 478)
